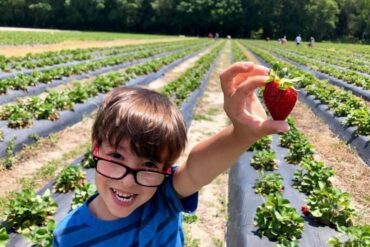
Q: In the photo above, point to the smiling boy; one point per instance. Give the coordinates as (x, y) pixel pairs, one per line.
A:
(137, 136)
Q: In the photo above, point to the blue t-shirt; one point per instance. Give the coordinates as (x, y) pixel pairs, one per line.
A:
(155, 223)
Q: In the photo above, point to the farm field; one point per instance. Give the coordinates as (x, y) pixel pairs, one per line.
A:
(48, 100)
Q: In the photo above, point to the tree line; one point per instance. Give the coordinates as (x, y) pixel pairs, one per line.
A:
(324, 19)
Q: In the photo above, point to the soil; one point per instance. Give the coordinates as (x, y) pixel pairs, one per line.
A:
(352, 175)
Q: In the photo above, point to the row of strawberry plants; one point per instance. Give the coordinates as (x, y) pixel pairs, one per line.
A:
(352, 63)
(12, 95)
(21, 113)
(180, 89)
(276, 218)
(325, 204)
(341, 103)
(348, 76)
(349, 50)
(37, 60)
(21, 82)
(237, 52)
(71, 178)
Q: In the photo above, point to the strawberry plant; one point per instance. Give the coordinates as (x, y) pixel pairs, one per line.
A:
(88, 161)
(19, 117)
(26, 209)
(189, 218)
(330, 206)
(41, 236)
(361, 119)
(269, 183)
(299, 151)
(291, 137)
(4, 236)
(280, 95)
(278, 220)
(60, 100)
(70, 178)
(354, 236)
(78, 94)
(264, 159)
(261, 144)
(9, 154)
(82, 193)
(316, 172)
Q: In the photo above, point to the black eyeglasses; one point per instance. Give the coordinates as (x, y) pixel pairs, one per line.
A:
(115, 170)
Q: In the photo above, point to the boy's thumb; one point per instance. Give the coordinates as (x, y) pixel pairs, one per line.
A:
(274, 126)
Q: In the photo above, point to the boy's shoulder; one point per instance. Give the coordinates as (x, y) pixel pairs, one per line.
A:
(74, 219)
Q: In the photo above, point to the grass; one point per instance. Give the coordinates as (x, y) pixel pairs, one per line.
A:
(52, 37)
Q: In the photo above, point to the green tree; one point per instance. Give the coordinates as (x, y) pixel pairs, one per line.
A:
(322, 17)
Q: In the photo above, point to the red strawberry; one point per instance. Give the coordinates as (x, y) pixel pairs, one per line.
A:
(279, 96)
(305, 210)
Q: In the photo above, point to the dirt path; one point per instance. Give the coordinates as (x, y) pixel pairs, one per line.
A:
(209, 118)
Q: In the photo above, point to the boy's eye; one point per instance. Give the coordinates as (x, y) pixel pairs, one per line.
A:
(150, 164)
(116, 155)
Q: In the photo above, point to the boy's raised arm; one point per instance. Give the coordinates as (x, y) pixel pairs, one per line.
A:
(213, 156)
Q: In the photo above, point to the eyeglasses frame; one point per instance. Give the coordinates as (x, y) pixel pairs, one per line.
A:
(129, 170)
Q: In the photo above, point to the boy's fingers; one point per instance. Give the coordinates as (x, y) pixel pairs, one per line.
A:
(228, 75)
(250, 85)
(257, 70)
(273, 126)
(237, 73)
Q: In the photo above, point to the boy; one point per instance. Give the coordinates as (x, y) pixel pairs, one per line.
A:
(137, 136)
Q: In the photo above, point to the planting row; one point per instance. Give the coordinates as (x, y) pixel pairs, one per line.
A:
(358, 63)
(23, 81)
(49, 58)
(271, 201)
(350, 77)
(12, 95)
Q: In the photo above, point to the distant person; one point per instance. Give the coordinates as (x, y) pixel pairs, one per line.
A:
(210, 35)
(217, 36)
(298, 39)
(268, 39)
(312, 42)
(284, 40)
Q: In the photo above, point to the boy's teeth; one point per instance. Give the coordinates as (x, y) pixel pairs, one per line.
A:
(123, 196)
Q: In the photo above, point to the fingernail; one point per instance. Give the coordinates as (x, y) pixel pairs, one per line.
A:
(248, 65)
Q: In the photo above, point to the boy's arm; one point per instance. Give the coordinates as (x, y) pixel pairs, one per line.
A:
(213, 156)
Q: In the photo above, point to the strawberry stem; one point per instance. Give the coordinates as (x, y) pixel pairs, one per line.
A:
(284, 83)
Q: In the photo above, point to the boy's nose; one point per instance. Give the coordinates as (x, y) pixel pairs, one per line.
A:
(128, 179)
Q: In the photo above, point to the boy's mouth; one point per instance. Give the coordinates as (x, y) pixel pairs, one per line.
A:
(123, 197)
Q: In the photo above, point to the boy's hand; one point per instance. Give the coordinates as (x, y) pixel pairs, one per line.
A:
(241, 104)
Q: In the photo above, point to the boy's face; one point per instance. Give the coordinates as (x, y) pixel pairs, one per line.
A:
(119, 198)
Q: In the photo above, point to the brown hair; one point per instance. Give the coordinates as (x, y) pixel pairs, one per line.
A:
(148, 119)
